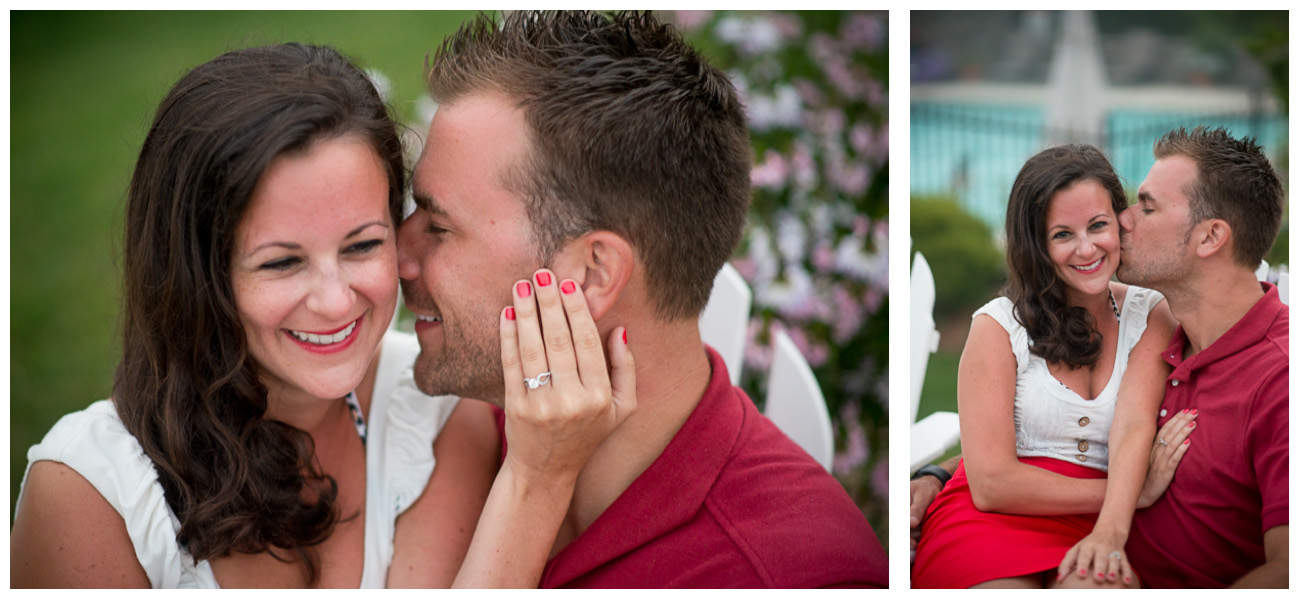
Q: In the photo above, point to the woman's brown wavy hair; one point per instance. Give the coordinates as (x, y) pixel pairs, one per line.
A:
(187, 387)
(1061, 333)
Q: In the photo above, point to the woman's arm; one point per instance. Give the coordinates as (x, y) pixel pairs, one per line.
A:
(503, 537)
(1132, 431)
(67, 535)
(433, 535)
(552, 428)
(999, 482)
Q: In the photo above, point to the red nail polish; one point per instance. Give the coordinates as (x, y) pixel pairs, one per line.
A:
(543, 279)
(1193, 411)
(510, 313)
(568, 287)
(624, 337)
(1186, 442)
(1192, 426)
(523, 289)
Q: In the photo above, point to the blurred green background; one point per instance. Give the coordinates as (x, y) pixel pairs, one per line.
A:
(83, 89)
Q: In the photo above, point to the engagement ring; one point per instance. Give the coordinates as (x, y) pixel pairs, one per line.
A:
(1162, 442)
(539, 381)
(1116, 555)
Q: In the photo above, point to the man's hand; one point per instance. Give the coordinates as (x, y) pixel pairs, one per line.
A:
(924, 489)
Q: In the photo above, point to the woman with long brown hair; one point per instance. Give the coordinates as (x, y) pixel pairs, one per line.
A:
(264, 429)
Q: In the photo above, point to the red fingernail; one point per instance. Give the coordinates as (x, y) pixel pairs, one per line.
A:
(1128, 580)
(1187, 442)
(523, 289)
(1112, 575)
(1083, 572)
(510, 313)
(568, 287)
(1193, 411)
(1192, 426)
(624, 337)
(543, 279)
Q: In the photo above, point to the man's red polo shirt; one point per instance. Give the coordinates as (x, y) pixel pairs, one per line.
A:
(731, 502)
(1231, 486)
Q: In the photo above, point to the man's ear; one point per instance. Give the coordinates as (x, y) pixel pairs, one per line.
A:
(1212, 236)
(601, 262)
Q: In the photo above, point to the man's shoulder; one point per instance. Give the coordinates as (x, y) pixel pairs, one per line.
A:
(790, 516)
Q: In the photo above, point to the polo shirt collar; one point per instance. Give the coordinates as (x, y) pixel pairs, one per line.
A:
(670, 492)
(1246, 332)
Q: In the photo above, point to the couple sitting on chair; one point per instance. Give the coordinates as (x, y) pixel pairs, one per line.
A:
(1079, 396)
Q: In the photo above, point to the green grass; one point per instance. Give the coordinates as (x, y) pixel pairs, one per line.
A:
(939, 392)
(83, 88)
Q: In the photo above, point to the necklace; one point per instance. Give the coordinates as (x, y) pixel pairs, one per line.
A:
(360, 420)
(1114, 306)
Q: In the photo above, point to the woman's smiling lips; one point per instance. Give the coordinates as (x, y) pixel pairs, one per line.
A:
(326, 342)
(1089, 268)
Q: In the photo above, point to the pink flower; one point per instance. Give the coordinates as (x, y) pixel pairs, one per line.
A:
(863, 30)
(771, 173)
(855, 452)
(690, 20)
(851, 179)
(823, 257)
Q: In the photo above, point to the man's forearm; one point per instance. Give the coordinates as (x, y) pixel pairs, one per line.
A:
(1272, 574)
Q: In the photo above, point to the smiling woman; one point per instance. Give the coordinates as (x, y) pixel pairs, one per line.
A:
(83, 88)
(264, 429)
(317, 284)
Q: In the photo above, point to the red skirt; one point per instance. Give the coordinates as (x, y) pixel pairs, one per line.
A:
(961, 546)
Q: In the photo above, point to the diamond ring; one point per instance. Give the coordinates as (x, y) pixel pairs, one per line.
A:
(539, 381)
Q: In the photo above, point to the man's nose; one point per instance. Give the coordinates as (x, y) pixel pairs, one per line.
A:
(408, 264)
(1126, 219)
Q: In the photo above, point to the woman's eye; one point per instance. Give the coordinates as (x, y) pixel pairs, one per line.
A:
(1099, 225)
(282, 264)
(1060, 235)
(363, 247)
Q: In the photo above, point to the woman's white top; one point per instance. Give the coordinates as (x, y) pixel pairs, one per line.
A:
(402, 425)
(1052, 420)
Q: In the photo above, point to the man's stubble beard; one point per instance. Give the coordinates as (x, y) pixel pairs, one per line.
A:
(463, 367)
(1157, 270)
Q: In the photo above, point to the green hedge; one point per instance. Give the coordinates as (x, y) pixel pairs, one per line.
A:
(968, 263)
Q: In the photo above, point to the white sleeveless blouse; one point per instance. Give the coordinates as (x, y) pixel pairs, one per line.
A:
(1052, 420)
(402, 425)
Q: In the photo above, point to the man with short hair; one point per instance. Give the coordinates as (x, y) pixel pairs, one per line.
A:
(1208, 211)
(606, 149)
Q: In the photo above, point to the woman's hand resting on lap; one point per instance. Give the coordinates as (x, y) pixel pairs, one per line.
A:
(1101, 553)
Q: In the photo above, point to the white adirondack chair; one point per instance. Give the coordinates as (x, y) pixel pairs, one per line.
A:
(937, 432)
(794, 399)
(795, 402)
(726, 318)
(1283, 281)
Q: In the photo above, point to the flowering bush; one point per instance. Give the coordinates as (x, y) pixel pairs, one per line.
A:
(816, 246)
